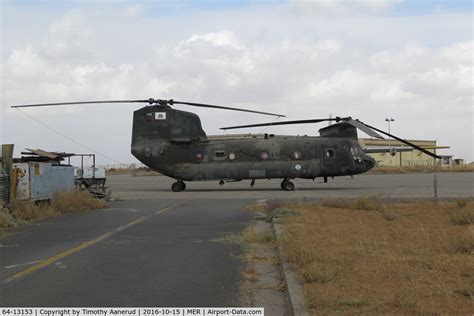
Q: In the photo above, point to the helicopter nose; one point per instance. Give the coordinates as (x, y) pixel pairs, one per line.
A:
(369, 162)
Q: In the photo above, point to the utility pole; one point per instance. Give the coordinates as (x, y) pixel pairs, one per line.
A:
(389, 120)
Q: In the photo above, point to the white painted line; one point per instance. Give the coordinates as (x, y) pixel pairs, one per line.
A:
(60, 265)
(22, 264)
(119, 209)
(7, 246)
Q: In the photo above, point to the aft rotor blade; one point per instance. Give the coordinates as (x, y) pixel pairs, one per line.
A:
(81, 102)
(429, 153)
(281, 123)
(363, 128)
(203, 105)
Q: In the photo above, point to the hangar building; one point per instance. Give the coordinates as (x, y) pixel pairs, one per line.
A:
(404, 158)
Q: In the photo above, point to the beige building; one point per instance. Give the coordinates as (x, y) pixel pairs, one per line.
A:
(407, 158)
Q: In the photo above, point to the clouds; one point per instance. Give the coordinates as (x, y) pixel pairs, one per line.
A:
(331, 8)
(266, 58)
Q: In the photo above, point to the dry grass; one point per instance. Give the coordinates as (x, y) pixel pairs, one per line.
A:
(66, 202)
(28, 210)
(6, 219)
(251, 236)
(395, 169)
(351, 259)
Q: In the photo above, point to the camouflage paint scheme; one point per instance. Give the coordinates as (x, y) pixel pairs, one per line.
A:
(173, 143)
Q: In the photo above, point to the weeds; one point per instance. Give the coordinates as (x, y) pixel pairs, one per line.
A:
(65, 202)
(369, 204)
(464, 244)
(250, 236)
(27, 210)
(337, 203)
(462, 217)
(274, 204)
(462, 202)
(354, 262)
(6, 219)
(313, 274)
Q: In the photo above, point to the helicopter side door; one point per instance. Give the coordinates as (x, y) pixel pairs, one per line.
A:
(330, 166)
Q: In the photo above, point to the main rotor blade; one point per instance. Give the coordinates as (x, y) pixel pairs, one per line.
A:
(363, 127)
(203, 105)
(81, 102)
(281, 123)
(149, 101)
(429, 153)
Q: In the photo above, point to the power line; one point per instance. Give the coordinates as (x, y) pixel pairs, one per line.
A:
(69, 138)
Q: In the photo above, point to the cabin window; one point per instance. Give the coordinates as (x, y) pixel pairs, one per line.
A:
(199, 157)
(297, 155)
(219, 154)
(329, 153)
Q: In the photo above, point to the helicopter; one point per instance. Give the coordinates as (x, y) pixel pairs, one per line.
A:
(173, 143)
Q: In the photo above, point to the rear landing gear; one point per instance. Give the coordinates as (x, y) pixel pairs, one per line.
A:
(178, 186)
(287, 185)
(252, 184)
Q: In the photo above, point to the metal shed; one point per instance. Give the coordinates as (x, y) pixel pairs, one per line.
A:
(41, 180)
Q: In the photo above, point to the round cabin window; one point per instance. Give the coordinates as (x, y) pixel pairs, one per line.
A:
(330, 153)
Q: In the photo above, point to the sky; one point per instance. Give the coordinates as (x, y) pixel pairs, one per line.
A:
(369, 59)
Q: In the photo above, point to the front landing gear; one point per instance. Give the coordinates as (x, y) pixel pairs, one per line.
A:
(178, 186)
(287, 185)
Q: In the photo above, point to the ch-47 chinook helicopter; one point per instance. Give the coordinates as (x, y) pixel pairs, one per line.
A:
(173, 143)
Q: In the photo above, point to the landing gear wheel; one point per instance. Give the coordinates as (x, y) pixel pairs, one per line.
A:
(178, 186)
(287, 185)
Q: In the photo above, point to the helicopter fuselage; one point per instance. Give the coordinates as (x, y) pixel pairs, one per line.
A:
(173, 143)
(257, 157)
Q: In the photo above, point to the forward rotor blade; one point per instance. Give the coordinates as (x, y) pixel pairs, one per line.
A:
(203, 105)
(149, 101)
(405, 142)
(281, 123)
(363, 128)
(81, 102)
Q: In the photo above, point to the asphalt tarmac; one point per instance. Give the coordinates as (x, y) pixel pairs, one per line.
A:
(135, 253)
(398, 186)
(160, 248)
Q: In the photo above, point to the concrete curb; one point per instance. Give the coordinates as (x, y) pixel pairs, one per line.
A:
(295, 290)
